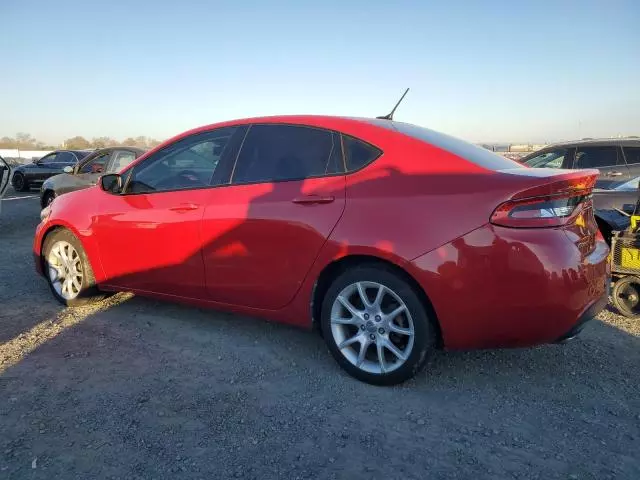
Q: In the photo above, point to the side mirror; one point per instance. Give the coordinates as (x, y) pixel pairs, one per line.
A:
(67, 169)
(35, 160)
(111, 183)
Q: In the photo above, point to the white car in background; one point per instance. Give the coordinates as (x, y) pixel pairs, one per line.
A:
(5, 173)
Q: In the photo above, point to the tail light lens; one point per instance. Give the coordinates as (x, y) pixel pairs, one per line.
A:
(551, 211)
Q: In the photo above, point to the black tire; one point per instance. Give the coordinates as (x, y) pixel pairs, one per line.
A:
(626, 296)
(425, 336)
(47, 198)
(89, 292)
(20, 183)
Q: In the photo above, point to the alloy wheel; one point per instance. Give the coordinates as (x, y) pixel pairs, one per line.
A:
(65, 270)
(372, 327)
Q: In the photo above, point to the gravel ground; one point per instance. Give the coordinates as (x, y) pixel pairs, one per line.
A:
(135, 388)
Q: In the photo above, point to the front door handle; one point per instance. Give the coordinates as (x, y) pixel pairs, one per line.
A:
(614, 174)
(184, 207)
(313, 199)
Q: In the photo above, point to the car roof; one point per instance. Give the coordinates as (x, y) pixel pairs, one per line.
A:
(348, 125)
(598, 142)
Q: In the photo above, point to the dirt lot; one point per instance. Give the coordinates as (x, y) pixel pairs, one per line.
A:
(140, 389)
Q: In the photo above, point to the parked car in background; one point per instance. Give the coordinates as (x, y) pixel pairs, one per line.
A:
(381, 232)
(86, 173)
(5, 173)
(618, 160)
(33, 174)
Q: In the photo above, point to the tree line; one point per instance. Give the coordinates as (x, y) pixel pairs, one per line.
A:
(24, 141)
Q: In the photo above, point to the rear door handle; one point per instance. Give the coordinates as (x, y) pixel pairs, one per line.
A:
(311, 199)
(184, 207)
(614, 174)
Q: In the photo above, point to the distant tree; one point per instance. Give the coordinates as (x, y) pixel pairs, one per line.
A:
(25, 141)
(152, 142)
(129, 142)
(7, 142)
(102, 142)
(77, 143)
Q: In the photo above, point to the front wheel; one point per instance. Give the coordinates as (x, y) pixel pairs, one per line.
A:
(626, 296)
(68, 270)
(376, 326)
(20, 183)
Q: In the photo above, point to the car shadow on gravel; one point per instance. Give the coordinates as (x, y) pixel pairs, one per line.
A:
(144, 389)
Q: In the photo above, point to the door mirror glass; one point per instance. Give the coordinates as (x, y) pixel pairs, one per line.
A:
(111, 183)
(67, 169)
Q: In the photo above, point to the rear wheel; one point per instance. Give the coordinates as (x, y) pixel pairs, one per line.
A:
(20, 183)
(68, 270)
(626, 296)
(375, 325)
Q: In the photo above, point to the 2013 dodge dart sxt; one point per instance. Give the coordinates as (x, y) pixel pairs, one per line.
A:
(392, 238)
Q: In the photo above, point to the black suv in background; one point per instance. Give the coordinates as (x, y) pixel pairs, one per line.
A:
(33, 174)
(617, 159)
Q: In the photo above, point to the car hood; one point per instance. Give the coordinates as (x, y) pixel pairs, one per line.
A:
(27, 166)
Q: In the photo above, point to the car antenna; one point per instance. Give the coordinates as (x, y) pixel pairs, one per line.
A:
(389, 116)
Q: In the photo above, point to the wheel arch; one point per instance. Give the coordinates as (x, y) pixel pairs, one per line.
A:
(92, 255)
(44, 194)
(337, 266)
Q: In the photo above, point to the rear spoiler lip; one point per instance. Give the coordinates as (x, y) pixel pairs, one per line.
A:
(551, 182)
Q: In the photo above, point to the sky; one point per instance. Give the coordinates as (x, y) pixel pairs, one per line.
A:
(484, 71)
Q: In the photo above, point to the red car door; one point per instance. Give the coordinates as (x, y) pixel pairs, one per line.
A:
(263, 232)
(150, 236)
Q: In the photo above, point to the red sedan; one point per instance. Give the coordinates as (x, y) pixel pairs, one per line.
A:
(393, 239)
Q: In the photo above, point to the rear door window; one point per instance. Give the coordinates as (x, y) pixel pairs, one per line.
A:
(272, 153)
(632, 155)
(597, 157)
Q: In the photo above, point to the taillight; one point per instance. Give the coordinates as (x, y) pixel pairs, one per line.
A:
(555, 201)
(551, 211)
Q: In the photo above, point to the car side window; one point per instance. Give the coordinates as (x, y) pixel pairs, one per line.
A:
(188, 163)
(632, 154)
(597, 157)
(120, 159)
(67, 158)
(357, 153)
(550, 159)
(273, 152)
(48, 159)
(96, 165)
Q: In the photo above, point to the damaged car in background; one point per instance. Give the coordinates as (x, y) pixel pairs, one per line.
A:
(87, 172)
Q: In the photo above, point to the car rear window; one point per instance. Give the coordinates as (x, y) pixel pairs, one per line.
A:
(478, 155)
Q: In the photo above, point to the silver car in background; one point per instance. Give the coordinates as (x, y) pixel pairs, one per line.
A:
(86, 172)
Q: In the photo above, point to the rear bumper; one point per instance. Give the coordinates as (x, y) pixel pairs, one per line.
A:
(585, 318)
(504, 287)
